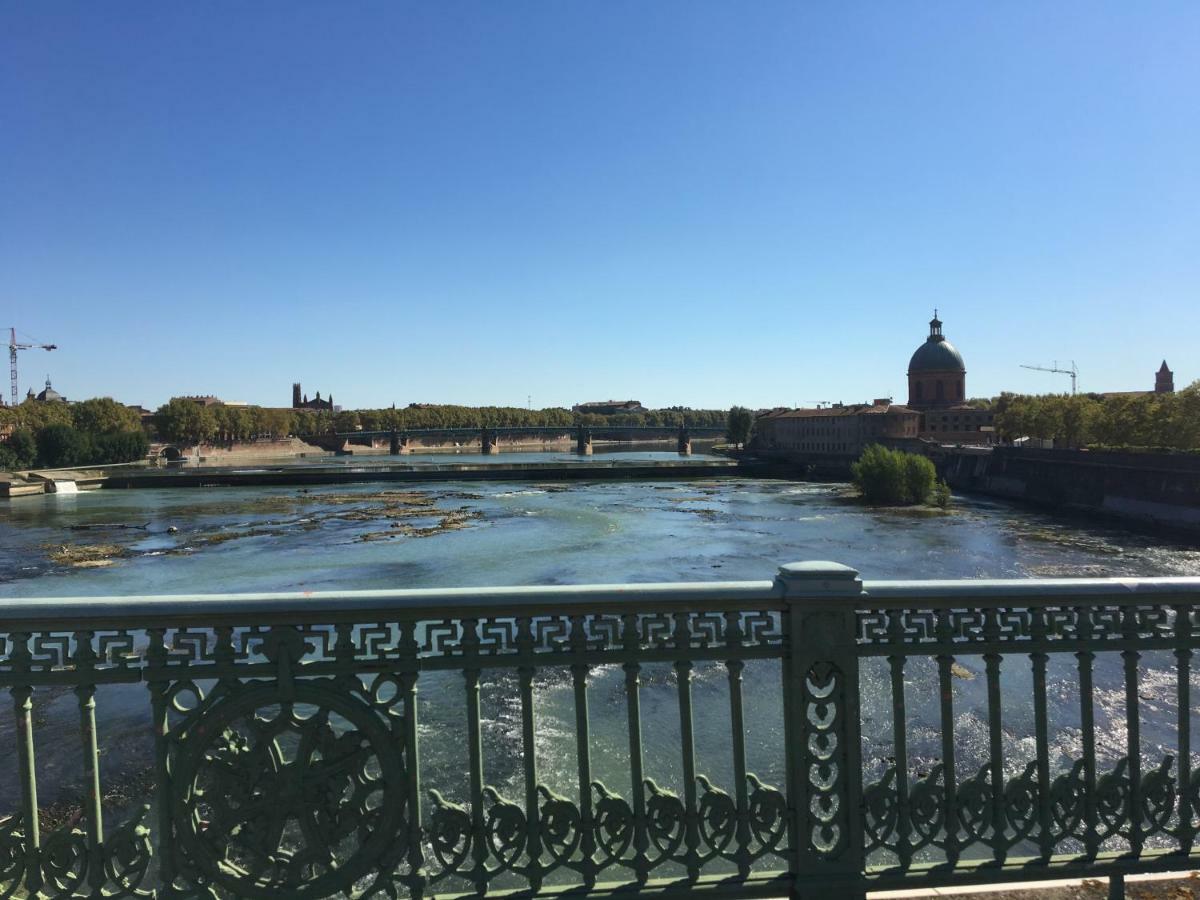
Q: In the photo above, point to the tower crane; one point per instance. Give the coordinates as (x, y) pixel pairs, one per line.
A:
(1073, 372)
(13, 347)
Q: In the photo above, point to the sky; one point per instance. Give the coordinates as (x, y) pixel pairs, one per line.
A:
(686, 203)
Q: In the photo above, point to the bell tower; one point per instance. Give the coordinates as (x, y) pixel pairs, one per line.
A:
(1164, 380)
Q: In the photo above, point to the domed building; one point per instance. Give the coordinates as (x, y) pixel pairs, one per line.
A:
(49, 395)
(937, 389)
(936, 374)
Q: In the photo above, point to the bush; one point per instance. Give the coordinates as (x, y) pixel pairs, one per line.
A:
(941, 495)
(919, 478)
(893, 477)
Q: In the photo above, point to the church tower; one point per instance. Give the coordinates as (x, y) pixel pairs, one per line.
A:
(1164, 380)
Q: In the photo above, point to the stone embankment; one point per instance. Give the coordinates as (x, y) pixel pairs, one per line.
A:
(1150, 489)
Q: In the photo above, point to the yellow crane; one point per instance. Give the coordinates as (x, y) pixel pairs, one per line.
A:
(13, 347)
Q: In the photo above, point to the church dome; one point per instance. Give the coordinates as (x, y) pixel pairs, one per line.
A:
(937, 354)
(50, 395)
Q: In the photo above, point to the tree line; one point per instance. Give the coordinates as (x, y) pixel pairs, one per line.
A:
(1134, 421)
(185, 421)
(53, 435)
(103, 431)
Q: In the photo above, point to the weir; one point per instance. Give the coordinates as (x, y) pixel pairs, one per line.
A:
(286, 728)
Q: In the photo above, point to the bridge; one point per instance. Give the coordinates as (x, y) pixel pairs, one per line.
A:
(288, 758)
(488, 437)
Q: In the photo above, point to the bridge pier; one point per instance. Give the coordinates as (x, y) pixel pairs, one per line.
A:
(583, 441)
(398, 444)
(684, 442)
(489, 442)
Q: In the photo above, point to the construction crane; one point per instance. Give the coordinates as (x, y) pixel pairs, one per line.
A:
(13, 347)
(1073, 372)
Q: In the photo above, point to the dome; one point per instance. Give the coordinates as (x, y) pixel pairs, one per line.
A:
(937, 354)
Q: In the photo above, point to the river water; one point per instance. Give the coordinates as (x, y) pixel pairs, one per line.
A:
(375, 536)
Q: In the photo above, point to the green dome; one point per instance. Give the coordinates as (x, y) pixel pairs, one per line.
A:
(936, 355)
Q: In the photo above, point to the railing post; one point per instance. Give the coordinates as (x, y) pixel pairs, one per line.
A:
(821, 730)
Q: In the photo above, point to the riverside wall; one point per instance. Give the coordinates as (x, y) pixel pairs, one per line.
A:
(1151, 489)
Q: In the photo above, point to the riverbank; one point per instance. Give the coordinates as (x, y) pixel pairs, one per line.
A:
(585, 469)
(1144, 490)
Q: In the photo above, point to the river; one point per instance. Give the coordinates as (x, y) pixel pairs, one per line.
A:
(469, 534)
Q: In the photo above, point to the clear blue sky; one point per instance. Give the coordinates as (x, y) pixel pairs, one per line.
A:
(684, 202)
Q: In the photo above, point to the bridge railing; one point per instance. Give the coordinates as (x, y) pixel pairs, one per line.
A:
(748, 739)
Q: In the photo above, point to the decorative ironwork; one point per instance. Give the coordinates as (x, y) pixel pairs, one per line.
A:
(288, 752)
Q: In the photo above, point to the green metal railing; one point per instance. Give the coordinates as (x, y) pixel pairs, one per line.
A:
(287, 746)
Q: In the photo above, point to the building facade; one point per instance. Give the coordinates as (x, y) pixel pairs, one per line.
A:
(837, 430)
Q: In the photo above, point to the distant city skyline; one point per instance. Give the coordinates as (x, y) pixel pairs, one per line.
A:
(687, 203)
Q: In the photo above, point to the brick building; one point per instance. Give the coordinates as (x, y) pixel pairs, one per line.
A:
(838, 430)
(937, 390)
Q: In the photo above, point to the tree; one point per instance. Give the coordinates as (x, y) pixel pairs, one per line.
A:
(103, 414)
(347, 420)
(739, 425)
(62, 445)
(23, 446)
(36, 414)
(185, 422)
(893, 477)
(120, 446)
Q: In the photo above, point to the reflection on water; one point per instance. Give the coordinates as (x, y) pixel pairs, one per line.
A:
(372, 536)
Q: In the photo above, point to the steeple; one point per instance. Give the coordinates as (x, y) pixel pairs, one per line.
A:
(1164, 380)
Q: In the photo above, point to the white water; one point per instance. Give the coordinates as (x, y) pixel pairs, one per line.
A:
(64, 487)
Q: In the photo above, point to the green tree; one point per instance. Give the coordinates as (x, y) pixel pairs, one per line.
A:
(185, 421)
(120, 446)
(63, 445)
(23, 446)
(103, 414)
(893, 477)
(36, 415)
(739, 425)
(347, 420)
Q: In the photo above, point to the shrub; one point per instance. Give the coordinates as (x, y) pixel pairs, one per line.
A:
(893, 477)
(919, 477)
(941, 495)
